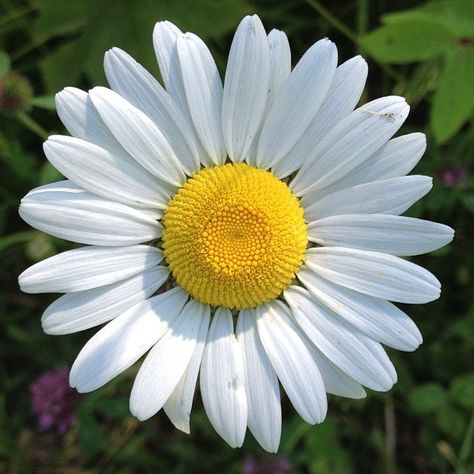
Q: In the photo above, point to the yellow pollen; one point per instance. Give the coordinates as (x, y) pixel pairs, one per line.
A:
(234, 236)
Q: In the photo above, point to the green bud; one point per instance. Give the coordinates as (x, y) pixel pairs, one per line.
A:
(15, 93)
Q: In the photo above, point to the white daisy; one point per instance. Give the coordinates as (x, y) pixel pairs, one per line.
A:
(268, 202)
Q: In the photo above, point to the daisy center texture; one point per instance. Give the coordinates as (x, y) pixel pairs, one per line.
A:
(234, 236)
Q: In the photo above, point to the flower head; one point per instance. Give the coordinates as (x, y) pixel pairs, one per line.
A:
(266, 466)
(454, 177)
(269, 206)
(53, 401)
(15, 93)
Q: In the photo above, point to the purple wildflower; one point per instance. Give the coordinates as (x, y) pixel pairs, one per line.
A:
(277, 465)
(53, 401)
(453, 177)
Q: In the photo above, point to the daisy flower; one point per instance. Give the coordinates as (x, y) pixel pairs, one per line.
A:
(248, 232)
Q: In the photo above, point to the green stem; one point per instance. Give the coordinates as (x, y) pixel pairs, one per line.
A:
(32, 125)
(362, 16)
(466, 446)
(332, 20)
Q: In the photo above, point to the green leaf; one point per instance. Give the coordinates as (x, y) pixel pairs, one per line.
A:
(453, 102)
(427, 398)
(4, 63)
(57, 17)
(452, 421)
(118, 407)
(407, 41)
(455, 15)
(44, 102)
(462, 390)
(458, 15)
(91, 435)
(129, 25)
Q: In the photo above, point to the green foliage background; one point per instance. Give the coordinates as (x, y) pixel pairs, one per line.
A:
(424, 51)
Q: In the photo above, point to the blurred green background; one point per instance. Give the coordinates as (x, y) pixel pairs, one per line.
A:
(423, 51)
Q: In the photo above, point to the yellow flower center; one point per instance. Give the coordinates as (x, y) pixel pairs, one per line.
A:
(234, 236)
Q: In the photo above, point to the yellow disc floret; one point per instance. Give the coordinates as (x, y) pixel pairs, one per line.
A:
(234, 236)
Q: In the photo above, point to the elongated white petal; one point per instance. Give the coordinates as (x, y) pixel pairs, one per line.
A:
(245, 87)
(280, 69)
(343, 95)
(395, 235)
(99, 171)
(203, 88)
(141, 89)
(124, 340)
(81, 119)
(88, 267)
(82, 310)
(292, 360)
(165, 36)
(164, 366)
(297, 103)
(373, 273)
(340, 342)
(379, 352)
(395, 159)
(353, 140)
(335, 380)
(379, 319)
(280, 65)
(138, 135)
(76, 215)
(389, 196)
(178, 406)
(222, 380)
(261, 384)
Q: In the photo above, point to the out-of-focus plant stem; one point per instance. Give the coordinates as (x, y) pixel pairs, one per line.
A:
(32, 125)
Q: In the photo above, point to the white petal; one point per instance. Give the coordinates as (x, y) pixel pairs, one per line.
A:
(340, 342)
(343, 95)
(297, 103)
(106, 174)
(379, 319)
(245, 87)
(124, 340)
(261, 383)
(222, 380)
(335, 380)
(138, 135)
(203, 88)
(395, 159)
(395, 235)
(379, 352)
(178, 406)
(280, 65)
(88, 267)
(280, 69)
(351, 142)
(389, 196)
(76, 215)
(292, 360)
(79, 116)
(376, 274)
(82, 310)
(141, 89)
(165, 364)
(165, 36)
